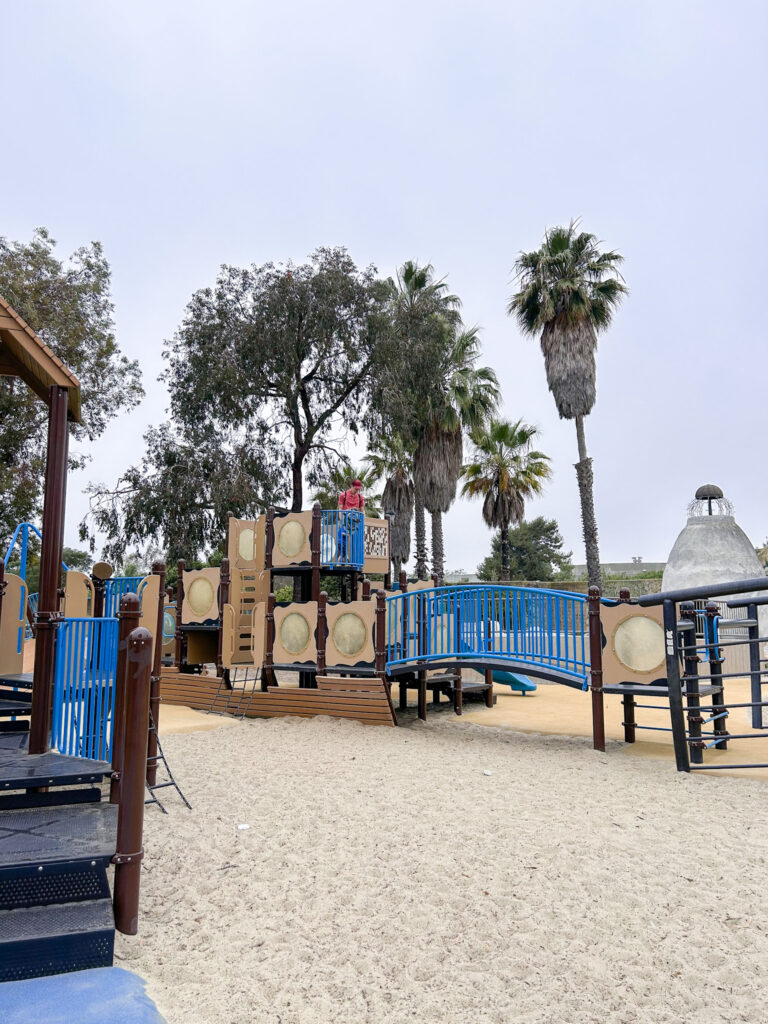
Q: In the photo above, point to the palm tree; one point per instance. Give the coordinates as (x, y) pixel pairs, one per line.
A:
(422, 306)
(568, 291)
(505, 472)
(340, 478)
(392, 459)
(464, 397)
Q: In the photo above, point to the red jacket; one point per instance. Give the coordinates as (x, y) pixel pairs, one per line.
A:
(350, 499)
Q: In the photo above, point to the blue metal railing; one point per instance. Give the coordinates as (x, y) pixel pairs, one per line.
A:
(342, 539)
(32, 605)
(23, 531)
(114, 588)
(546, 629)
(84, 687)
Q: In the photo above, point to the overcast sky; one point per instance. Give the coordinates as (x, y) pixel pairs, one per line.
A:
(188, 134)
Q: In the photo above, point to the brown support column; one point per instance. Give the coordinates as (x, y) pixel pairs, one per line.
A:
(628, 701)
(321, 632)
(224, 585)
(315, 551)
(128, 620)
(381, 647)
(158, 569)
(596, 669)
(366, 589)
(179, 602)
(3, 585)
(130, 818)
(403, 581)
(270, 537)
(268, 675)
(50, 569)
(489, 685)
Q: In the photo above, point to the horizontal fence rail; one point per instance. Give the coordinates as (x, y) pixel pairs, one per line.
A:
(84, 687)
(342, 539)
(542, 629)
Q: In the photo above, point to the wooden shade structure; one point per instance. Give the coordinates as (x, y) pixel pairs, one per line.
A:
(26, 356)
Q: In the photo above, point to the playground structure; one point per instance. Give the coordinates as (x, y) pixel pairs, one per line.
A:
(349, 654)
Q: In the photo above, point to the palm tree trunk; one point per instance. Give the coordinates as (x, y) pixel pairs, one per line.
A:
(421, 538)
(438, 555)
(505, 570)
(396, 567)
(588, 519)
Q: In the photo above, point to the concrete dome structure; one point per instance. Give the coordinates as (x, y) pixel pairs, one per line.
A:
(711, 547)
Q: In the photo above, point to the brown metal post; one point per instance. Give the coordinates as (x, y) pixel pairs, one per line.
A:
(321, 632)
(315, 551)
(366, 589)
(224, 585)
(381, 647)
(403, 582)
(489, 685)
(628, 700)
(50, 569)
(3, 585)
(128, 620)
(268, 675)
(355, 577)
(158, 569)
(130, 816)
(179, 602)
(596, 669)
(98, 596)
(270, 537)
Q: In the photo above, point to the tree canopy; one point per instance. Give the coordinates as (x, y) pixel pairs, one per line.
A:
(536, 553)
(68, 303)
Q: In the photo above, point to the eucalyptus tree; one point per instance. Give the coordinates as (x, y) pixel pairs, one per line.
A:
(568, 292)
(391, 459)
(462, 397)
(505, 471)
(265, 371)
(68, 304)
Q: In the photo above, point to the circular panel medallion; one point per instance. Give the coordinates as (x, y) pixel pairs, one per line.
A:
(294, 633)
(349, 634)
(327, 547)
(201, 596)
(169, 623)
(639, 643)
(291, 538)
(245, 545)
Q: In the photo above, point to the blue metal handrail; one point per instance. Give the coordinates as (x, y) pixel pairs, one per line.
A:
(342, 539)
(84, 687)
(544, 629)
(24, 529)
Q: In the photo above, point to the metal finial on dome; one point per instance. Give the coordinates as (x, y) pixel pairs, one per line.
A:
(709, 501)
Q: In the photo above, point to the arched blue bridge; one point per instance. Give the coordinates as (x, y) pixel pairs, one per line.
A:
(543, 633)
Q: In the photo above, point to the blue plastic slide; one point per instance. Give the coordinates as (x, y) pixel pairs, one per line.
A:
(514, 682)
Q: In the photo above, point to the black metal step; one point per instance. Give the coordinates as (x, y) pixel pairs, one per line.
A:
(39, 941)
(23, 679)
(46, 835)
(22, 696)
(14, 707)
(19, 770)
(35, 885)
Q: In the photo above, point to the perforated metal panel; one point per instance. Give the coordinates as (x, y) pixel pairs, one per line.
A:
(39, 885)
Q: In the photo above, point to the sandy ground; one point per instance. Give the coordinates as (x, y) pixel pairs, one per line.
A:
(449, 872)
